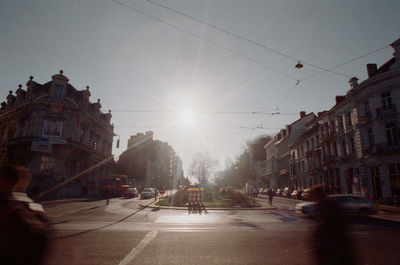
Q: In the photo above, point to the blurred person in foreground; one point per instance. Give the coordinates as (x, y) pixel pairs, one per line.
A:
(24, 228)
(330, 239)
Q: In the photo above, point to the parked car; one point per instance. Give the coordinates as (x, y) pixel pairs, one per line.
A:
(265, 191)
(351, 205)
(305, 195)
(286, 192)
(295, 194)
(147, 193)
(131, 193)
(279, 192)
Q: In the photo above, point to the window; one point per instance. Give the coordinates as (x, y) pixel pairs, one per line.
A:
(344, 151)
(353, 147)
(12, 132)
(386, 101)
(337, 177)
(394, 173)
(376, 182)
(332, 126)
(57, 92)
(335, 149)
(348, 118)
(366, 108)
(328, 150)
(392, 134)
(342, 122)
(371, 138)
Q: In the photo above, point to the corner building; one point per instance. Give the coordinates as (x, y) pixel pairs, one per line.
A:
(55, 131)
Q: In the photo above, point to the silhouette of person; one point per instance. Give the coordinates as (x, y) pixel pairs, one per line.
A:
(24, 228)
(270, 196)
(330, 239)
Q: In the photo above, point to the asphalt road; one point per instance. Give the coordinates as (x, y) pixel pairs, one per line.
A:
(125, 233)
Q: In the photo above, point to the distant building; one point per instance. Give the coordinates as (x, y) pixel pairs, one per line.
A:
(270, 164)
(56, 132)
(150, 163)
(283, 140)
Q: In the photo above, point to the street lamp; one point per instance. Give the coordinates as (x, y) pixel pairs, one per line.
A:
(298, 65)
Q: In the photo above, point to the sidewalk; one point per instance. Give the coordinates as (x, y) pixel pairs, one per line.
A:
(389, 208)
(68, 200)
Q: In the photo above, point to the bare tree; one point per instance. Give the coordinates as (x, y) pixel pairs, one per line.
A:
(202, 166)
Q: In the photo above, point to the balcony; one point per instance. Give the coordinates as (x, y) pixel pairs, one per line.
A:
(328, 136)
(386, 111)
(381, 149)
(329, 159)
(364, 119)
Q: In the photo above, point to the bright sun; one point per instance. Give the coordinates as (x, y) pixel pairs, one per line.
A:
(187, 117)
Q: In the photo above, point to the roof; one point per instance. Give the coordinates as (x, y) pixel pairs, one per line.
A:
(385, 67)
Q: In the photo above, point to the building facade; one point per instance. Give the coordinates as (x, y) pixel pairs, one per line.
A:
(55, 131)
(355, 146)
(150, 163)
(283, 140)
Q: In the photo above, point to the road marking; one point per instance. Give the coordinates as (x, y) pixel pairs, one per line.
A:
(136, 250)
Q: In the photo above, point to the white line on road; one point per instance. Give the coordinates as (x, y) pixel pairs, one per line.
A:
(142, 244)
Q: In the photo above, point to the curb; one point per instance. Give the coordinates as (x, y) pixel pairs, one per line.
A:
(387, 208)
(185, 208)
(65, 200)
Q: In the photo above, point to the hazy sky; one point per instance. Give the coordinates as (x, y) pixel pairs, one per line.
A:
(134, 62)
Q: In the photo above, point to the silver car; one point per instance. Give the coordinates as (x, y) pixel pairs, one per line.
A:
(351, 205)
(147, 193)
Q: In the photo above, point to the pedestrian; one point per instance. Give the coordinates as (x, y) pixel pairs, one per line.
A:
(270, 196)
(106, 195)
(24, 228)
(330, 239)
(189, 200)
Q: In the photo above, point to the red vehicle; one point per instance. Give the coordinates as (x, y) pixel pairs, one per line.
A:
(131, 193)
(116, 185)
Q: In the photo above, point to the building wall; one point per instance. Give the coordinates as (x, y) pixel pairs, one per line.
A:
(56, 132)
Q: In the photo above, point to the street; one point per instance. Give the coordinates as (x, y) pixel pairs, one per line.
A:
(123, 232)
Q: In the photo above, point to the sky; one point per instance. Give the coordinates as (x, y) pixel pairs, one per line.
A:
(194, 86)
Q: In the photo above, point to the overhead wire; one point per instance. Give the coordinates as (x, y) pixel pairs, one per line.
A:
(206, 40)
(244, 38)
(298, 81)
(207, 112)
(206, 127)
(333, 67)
(346, 62)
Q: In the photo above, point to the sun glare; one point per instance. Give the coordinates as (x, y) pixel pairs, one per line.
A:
(187, 117)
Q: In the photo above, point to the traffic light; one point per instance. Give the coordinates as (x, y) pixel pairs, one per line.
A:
(94, 146)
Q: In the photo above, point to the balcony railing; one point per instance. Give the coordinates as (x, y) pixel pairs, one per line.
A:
(382, 149)
(386, 111)
(329, 159)
(328, 135)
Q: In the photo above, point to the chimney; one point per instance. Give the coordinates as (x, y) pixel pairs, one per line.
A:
(371, 69)
(339, 99)
(302, 114)
(353, 82)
